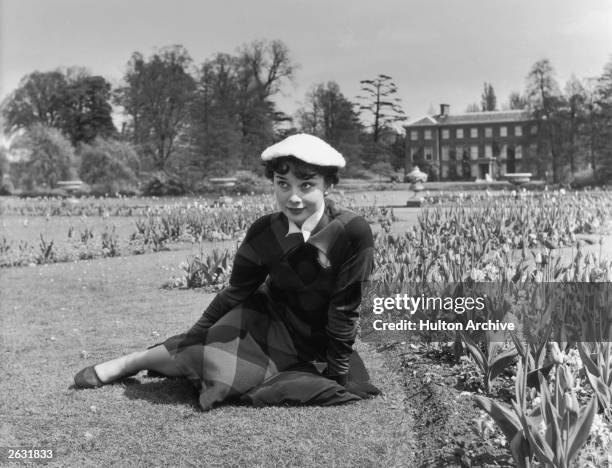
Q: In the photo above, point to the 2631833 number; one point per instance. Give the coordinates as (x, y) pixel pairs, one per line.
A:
(31, 454)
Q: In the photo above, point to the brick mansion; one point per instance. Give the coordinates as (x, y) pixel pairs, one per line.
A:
(468, 146)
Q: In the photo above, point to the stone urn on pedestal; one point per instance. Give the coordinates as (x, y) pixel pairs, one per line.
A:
(417, 179)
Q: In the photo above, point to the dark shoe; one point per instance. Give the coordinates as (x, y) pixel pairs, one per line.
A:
(87, 378)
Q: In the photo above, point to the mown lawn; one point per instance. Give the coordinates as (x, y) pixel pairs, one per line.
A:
(55, 228)
(55, 319)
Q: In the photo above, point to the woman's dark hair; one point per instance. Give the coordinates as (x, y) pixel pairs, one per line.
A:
(300, 169)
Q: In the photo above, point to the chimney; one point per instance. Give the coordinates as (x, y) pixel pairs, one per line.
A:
(444, 110)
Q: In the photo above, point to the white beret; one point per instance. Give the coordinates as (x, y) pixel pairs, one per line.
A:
(308, 148)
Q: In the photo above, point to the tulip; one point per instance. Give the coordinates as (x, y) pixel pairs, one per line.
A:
(571, 404)
(538, 258)
(556, 353)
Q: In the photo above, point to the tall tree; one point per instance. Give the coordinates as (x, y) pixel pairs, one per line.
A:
(73, 101)
(329, 115)
(488, 101)
(38, 99)
(267, 64)
(544, 102)
(263, 68)
(592, 121)
(381, 101)
(602, 125)
(234, 116)
(516, 101)
(473, 107)
(157, 96)
(574, 114)
(215, 123)
(87, 112)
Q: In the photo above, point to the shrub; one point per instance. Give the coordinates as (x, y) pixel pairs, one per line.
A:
(49, 157)
(161, 184)
(110, 166)
(382, 169)
(6, 186)
(584, 178)
(4, 163)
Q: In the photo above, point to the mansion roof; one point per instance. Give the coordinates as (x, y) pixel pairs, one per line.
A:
(471, 118)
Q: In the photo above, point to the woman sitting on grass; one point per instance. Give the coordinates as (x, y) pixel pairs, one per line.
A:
(291, 307)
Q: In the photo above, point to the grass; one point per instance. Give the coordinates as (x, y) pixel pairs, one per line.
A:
(29, 228)
(56, 319)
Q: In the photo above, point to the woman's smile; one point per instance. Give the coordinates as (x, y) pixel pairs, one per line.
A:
(299, 198)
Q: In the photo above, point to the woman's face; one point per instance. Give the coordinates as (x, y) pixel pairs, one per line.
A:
(299, 198)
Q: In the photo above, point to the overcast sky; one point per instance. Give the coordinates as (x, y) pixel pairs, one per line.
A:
(436, 50)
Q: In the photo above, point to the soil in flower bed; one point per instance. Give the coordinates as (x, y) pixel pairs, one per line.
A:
(447, 423)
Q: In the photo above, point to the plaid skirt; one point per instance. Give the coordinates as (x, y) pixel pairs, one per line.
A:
(248, 346)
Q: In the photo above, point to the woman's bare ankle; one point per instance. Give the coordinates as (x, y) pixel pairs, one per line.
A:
(111, 370)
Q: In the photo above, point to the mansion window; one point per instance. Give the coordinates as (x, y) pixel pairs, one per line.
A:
(445, 134)
(459, 133)
(459, 153)
(534, 129)
(503, 152)
(518, 152)
(414, 135)
(496, 149)
(413, 153)
(428, 134)
(518, 130)
(474, 152)
(503, 131)
(488, 132)
(473, 132)
(488, 151)
(445, 153)
(428, 152)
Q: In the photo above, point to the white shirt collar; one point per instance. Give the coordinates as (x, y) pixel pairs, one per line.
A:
(308, 225)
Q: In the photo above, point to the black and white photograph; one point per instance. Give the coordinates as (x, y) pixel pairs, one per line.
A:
(306, 233)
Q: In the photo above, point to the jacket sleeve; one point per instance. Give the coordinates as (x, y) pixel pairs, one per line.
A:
(248, 273)
(343, 312)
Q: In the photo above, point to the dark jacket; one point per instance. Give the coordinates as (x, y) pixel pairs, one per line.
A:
(314, 285)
